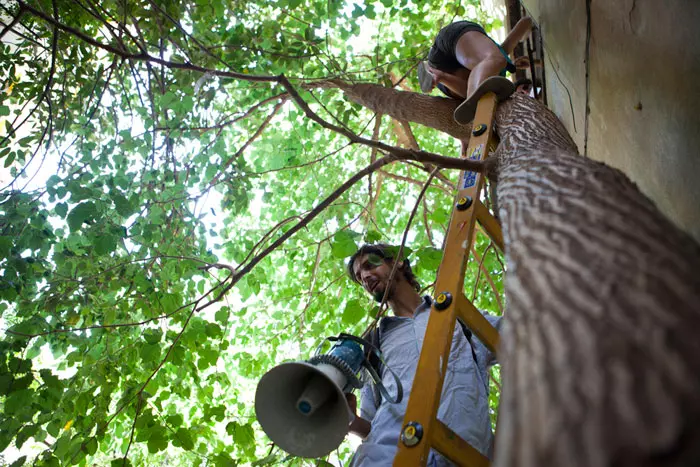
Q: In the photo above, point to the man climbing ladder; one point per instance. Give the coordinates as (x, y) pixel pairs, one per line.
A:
(464, 402)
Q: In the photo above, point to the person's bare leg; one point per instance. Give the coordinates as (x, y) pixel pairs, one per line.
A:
(481, 55)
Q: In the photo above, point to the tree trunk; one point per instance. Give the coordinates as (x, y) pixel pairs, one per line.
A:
(601, 364)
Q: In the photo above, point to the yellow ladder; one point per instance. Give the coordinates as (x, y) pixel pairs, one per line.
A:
(421, 429)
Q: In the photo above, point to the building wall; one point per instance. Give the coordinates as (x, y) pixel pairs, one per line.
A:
(644, 103)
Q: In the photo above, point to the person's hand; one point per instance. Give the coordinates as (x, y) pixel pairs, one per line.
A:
(522, 63)
(352, 402)
(358, 425)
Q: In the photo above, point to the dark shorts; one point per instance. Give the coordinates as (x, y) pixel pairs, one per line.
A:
(442, 54)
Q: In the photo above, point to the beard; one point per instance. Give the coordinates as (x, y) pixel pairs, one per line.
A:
(378, 295)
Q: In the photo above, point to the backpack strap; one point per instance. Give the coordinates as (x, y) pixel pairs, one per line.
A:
(376, 363)
(468, 334)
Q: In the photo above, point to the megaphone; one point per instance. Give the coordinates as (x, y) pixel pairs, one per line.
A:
(302, 407)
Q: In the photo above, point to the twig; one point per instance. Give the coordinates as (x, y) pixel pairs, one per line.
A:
(133, 428)
(480, 268)
(255, 136)
(489, 279)
(14, 22)
(47, 87)
(372, 158)
(312, 285)
(427, 224)
(412, 180)
(498, 385)
(397, 259)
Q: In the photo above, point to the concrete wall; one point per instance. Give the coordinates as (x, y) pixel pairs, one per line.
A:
(642, 91)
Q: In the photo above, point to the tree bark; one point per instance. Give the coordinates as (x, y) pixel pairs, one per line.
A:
(430, 111)
(601, 362)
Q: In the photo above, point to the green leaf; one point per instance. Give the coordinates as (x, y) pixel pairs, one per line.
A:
(90, 446)
(105, 244)
(4, 111)
(224, 460)
(24, 434)
(185, 438)
(353, 312)
(50, 379)
(372, 236)
(123, 206)
(81, 213)
(158, 440)
(5, 246)
(244, 436)
(429, 258)
(221, 315)
(10, 159)
(153, 336)
(61, 209)
(343, 244)
(150, 353)
(175, 420)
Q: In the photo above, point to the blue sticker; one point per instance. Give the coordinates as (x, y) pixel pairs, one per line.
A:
(470, 177)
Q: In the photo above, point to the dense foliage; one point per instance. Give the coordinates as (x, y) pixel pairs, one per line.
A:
(146, 170)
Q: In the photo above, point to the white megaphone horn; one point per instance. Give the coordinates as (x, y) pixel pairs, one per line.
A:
(302, 405)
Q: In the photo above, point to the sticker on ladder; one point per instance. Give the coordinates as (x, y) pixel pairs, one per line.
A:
(470, 177)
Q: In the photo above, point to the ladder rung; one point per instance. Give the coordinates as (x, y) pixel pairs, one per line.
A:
(491, 226)
(475, 321)
(450, 445)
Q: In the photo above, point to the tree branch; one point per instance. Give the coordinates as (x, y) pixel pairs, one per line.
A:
(13, 23)
(255, 136)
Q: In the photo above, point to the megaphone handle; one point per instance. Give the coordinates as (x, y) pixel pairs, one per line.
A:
(382, 389)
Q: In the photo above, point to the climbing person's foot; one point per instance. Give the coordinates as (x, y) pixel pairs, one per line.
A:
(498, 85)
(425, 77)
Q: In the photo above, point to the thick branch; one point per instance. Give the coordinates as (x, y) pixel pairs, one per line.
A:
(430, 111)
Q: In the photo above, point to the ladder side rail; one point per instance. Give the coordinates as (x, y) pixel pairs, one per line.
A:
(420, 420)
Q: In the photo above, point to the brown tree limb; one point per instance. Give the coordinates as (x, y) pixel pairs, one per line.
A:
(354, 92)
(13, 23)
